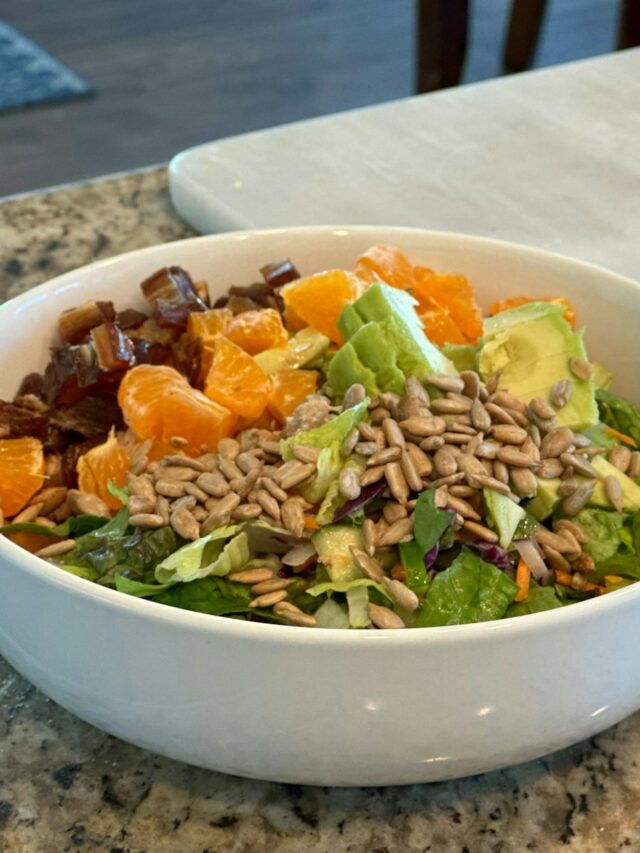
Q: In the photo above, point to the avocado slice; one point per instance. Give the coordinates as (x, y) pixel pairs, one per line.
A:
(531, 345)
(346, 369)
(302, 348)
(386, 335)
(333, 544)
(463, 356)
(547, 499)
(504, 513)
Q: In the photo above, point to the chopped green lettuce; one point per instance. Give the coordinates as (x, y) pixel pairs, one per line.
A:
(411, 557)
(134, 555)
(75, 525)
(603, 530)
(119, 494)
(357, 604)
(213, 595)
(470, 590)
(333, 499)
(139, 589)
(330, 614)
(345, 586)
(540, 598)
(619, 413)
(329, 437)
(220, 552)
(431, 522)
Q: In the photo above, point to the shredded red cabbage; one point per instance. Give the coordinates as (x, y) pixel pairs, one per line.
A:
(365, 497)
(491, 553)
(431, 556)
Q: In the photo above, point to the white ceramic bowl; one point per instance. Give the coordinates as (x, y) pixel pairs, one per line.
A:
(324, 706)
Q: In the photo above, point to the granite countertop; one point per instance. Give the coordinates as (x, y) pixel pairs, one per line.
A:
(66, 786)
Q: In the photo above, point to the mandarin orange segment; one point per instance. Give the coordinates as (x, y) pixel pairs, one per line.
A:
(106, 461)
(516, 301)
(158, 402)
(21, 472)
(318, 299)
(290, 388)
(32, 541)
(387, 263)
(255, 331)
(236, 380)
(454, 295)
(440, 328)
(206, 325)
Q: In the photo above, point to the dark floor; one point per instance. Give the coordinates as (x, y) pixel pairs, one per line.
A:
(171, 74)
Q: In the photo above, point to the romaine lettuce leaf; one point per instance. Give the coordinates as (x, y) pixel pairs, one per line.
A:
(540, 598)
(134, 554)
(75, 525)
(329, 436)
(411, 557)
(138, 588)
(357, 601)
(223, 550)
(619, 413)
(470, 590)
(333, 499)
(216, 596)
(603, 530)
(330, 614)
(345, 586)
(431, 522)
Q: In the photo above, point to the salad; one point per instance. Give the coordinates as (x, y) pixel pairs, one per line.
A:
(350, 449)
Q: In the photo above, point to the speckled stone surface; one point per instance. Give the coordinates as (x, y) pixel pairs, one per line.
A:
(66, 786)
(42, 236)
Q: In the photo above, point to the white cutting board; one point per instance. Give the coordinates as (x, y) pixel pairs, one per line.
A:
(549, 158)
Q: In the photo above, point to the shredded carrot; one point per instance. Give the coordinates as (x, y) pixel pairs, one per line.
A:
(523, 579)
(310, 523)
(398, 573)
(565, 579)
(619, 435)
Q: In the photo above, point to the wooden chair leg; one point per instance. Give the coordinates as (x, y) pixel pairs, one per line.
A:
(629, 27)
(522, 36)
(441, 43)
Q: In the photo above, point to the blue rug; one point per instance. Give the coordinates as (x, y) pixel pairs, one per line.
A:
(30, 76)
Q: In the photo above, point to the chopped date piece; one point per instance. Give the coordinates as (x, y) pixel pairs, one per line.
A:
(173, 296)
(170, 283)
(148, 352)
(186, 354)
(202, 289)
(261, 295)
(70, 460)
(75, 324)
(172, 312)
(71, 369)
(56, 440)
(151, 332)
(130, 318)
(279, 272)
(238, 304)
(91, 417)
(108, 310)
(18, 421)
(113, 348)
(33, 383)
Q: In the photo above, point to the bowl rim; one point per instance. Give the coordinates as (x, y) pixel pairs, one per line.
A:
(41, 569)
